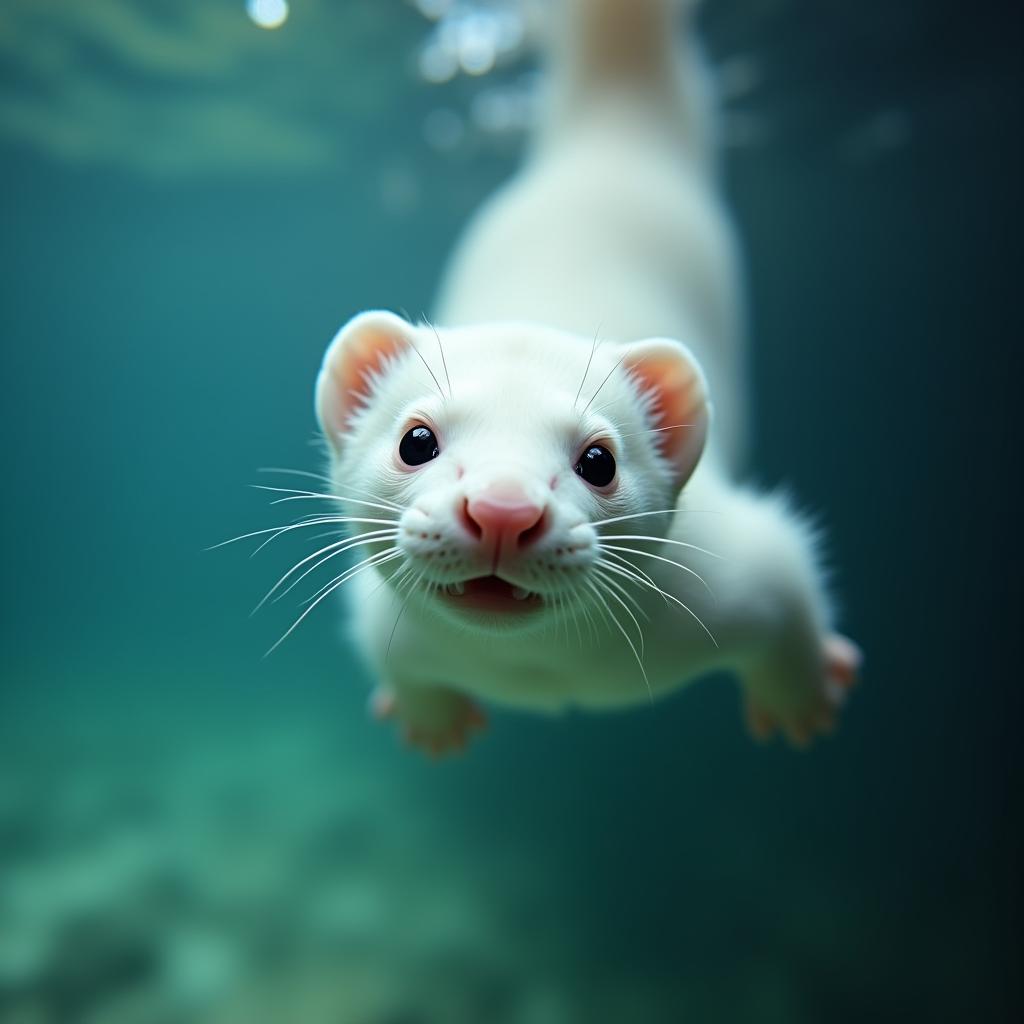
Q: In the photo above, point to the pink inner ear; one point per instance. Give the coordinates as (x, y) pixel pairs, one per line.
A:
(360, 351)
(365, 358)
(666, 373)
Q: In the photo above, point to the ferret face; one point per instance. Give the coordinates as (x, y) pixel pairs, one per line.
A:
(500, 453)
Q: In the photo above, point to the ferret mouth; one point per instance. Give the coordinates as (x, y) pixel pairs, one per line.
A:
(491, 594)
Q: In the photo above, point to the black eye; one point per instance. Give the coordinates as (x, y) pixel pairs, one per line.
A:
(418, 446)
(597, 466)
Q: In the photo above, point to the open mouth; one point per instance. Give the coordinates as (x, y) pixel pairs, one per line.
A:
(491, 594)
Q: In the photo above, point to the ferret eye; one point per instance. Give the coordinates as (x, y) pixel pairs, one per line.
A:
(597, 466)
(418, 446)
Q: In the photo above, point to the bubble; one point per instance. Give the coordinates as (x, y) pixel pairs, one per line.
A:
(267, 13)
(434, 9)
(478, 44)
(509, 30)
(470, 37)
(437, 64)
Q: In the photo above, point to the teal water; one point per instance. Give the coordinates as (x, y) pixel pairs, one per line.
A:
(188, 832)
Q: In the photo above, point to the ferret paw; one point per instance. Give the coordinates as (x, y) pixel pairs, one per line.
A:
(803, 713)
(439, 722)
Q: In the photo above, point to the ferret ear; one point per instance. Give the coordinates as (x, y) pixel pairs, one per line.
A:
(353, 363)
(674, 388)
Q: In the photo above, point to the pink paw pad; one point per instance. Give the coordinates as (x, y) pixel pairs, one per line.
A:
(438, 728)
(816, 716)
(843, 659)
(382, 704)
(453, 738)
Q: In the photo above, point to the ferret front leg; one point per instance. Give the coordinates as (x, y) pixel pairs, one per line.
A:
(795, 670)
(436, 719)
(798, 687)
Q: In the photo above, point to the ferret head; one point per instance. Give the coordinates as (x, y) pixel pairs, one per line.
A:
(500, 453)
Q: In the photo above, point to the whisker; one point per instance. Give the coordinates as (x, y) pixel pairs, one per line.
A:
(415, 349)
(656, 430)
(593, 349)
(278, 530)
(562, 614)
(405, 604)
(618, 363)
(592, 585)
(599, 605)
(659, 558)
(664, 593)
(571, 604)
(608, 550)
(426, 589)
(321, 477)
(575, 606)
(656, 512)
(344, 578)
(629, 597)
(326, 533)
(342, 546)
(343, 520)
(331, 483)
(569, 607)
(309, 521)
(324, 497)
(589, 619)
(310, 495)
(549, 625)
(397, 506)
(351, 570)
(444, 362)
(385, 580)
(663, 540)
(614, 591)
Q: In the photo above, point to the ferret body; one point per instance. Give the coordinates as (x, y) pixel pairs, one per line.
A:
(554, 514)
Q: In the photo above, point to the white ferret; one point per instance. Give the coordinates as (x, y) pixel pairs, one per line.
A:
(549, 508)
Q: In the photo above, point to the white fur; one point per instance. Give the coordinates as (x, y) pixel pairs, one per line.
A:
(613, 229)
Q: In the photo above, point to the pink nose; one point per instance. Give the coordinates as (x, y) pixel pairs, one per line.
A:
(503, 517)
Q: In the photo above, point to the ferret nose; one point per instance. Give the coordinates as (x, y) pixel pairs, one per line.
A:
(503, 517)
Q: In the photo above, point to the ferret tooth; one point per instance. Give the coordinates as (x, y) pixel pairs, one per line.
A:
(519, 594)
(455, 589)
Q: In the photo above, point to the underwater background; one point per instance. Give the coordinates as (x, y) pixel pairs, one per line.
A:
(191, 206)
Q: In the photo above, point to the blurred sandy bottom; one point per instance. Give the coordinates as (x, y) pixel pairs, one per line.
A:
(204, 852)
(219, 864)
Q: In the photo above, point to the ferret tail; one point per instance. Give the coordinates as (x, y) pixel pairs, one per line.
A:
(643, 50)
(603, 41)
